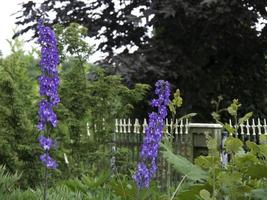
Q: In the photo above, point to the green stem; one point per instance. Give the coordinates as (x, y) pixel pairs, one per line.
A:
(45, 184)
(178, 187)
(169, 165)
(236, 127)
(46, 169)
(138, 194)
(213, 179)
(120, 181)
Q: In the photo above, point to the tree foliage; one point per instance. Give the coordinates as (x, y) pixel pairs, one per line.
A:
(205, 47)
(87, 95)
(18, 149)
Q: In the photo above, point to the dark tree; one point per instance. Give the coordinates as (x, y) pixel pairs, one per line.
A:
(205, 47)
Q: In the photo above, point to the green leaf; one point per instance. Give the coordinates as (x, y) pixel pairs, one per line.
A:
(257, 171)
(229, 128)
(245, 118)
(172, 108)
(230, 180)
(192, 192)
(257, 150)
(215, 116)
(233, 108)
(205, 162)
(212, 145)
(263, 139)
(183, 166)
(259, 194)
(233, 145)
(177, 101)
(205, 194)
(190, 115)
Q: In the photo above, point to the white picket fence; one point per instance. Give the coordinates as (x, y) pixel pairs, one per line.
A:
(138, 127)
(250, 127)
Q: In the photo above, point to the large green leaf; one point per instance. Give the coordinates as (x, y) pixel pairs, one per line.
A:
(257, 171)
(192, 192)
(245, 118)
(233, 145)
(259, 194)
(184, 166)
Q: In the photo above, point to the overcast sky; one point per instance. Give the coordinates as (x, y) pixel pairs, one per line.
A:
(7, 23)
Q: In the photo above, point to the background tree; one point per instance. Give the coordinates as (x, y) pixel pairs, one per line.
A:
(88, 95)
(18, 98)
(205, 47)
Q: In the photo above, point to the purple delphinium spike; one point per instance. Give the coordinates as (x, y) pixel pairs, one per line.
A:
(49, 83)
(49, 80)
(147, 167)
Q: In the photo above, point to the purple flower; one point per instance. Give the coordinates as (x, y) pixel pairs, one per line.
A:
(49, 88)
(46, 114)
(49, 51)
(142, 175)
(49, 83)
(147, 167)
(46, 143)
(48, 161)
(49, 80)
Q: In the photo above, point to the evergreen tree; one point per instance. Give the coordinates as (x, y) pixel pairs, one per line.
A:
(18, 149)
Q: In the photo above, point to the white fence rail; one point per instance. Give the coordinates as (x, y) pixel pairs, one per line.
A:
(138, 126)
(250, 127)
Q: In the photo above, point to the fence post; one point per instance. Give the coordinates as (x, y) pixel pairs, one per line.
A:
(197, 132)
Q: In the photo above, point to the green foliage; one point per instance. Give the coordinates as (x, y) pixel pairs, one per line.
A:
(232, 110)
(226, 57)
(233, 145)
(101, 187)
(126, 189)
(91, 188)
(88, 94)
(18, 108)
(244, 177)
(72, 41)
(183, 166)
(9, 189)
(7, 181)
(176, 102)
(259, 194)
(205, 195)
(90, 101)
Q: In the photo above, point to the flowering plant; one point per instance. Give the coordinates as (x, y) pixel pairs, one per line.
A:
(49, 82)
(147, 167)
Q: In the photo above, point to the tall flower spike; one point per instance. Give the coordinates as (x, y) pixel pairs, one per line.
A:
(147, 167)
(49, 82)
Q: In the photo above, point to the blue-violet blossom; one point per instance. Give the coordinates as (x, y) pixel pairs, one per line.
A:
(48, 161)
(49, 83)
(46, 143)
(147, 166)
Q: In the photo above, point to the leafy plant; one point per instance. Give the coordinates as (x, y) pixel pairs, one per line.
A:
(244, 177)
